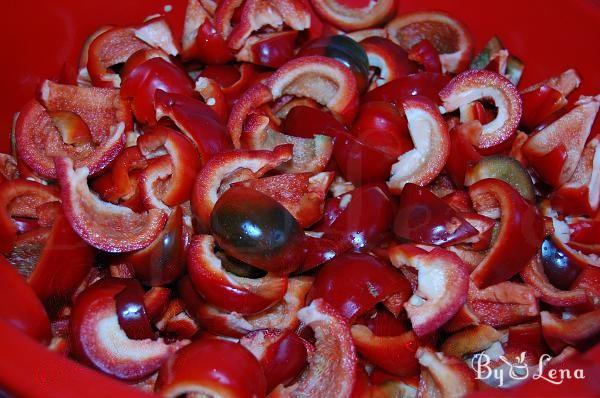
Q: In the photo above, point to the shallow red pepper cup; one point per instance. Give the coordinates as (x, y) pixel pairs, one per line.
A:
(43, 40)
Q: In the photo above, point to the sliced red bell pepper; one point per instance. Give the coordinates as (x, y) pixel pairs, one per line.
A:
(213, 96)
(471, 340)
(503, 304)
(21, 308)
(423, 84)
(554, 151)
(349, 17)
(426, 55)
(391, 60)
(443, 375)
(580, 331)
(119, 183)
(196, 120)
(20, 198)
(422, 217)
(520, 235)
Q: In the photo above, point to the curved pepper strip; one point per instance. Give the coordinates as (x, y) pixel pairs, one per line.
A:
(196, 120)
(309, 154)
(533, 274)
(429, 134)
(474, 85)
(200, 40)
(351, 18)
(103, 225)
(555, 151)
(224, 289)
(120, 183)
(64, 263)
(426, 55)
(338, 91)
(444, 376)
(39, 140)
(442, 286)
(20, 198)
(520, 235)
(183, 158)
(581, 331)
(224, 169)
(213, 96)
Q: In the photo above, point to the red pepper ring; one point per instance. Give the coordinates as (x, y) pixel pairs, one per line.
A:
(224, 169)
(103, 225)
(430, 137)
(226, 290)
(184, 162)
(20, 198)
(520, 235)
(334, 356)
(443, 284)
(309, 154)
(533, 274)
(98, 340)
(350, 18)
(474, 85)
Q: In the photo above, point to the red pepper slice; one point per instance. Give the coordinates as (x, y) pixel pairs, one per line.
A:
(580, 331)
(351, 17)
(307, 121)
(200, 40)
(355, 224)
(450, 37)
(554, 151)
(213, 96)
(226, 168)
(424, 218)
(225, 290)
(212, 367)
(141, 83)
(395, 92)
(520, 235)
(21, 307)
(20, 198)
(391, 60)
(444, 376)
(503, 304)
(372, 281)
(269, 49)
(426, 55)
(196, 120)
(120, 183)
(101, 224)
(64, 263)
(38, 140)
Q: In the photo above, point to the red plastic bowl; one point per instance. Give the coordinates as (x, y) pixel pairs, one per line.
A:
(40, 40)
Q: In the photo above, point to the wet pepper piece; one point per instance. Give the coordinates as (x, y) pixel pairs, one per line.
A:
(20, 307)
(554, 151)
(449, 37)
(226, 290)
(351, 17)
(372, 281)
(38, 139)
(227, 168)
(355, 224)
(163, 261)
(256, 229)
(64, 263)
(104, 225)
(422, 217)
(140, 85)
(581, 331)
(200, 40)
(429, 134)
(306, 122)
(474, 85)
(196, 120)
(120, 182)
(442, 286)
(212, 367)
(98, 340)
(520, 235)
(463, 154)
(426, 55)
(388, 59)
(334, 356)
(20, 198)
(345, 50)
(422, 84)
(303, 194)
(444, 376)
